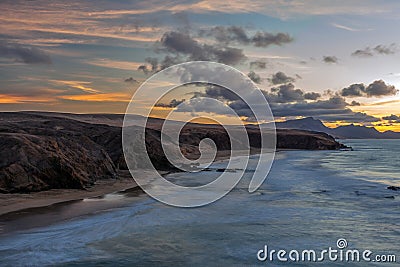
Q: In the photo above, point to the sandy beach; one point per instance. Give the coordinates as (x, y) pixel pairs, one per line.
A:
(15, 202)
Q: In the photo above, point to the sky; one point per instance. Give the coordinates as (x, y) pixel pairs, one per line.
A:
(333, 60)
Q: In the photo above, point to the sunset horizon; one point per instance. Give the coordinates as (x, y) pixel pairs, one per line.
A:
(310, 60)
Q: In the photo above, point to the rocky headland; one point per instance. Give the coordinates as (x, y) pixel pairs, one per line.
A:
(43, 151)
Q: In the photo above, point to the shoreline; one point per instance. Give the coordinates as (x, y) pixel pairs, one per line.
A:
(17, 205)
(12, 203)
(20, 202)
(19, 208)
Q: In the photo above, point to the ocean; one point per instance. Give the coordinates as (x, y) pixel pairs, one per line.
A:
(309, 201)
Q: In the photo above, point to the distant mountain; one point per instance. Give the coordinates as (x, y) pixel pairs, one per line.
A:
(309, 124)
(348, 131)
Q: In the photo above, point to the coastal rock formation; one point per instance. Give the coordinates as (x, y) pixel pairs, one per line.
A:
(40, 152)
(298, 139)
(34, 163)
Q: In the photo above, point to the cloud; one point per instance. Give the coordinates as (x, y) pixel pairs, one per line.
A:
(392, 118)
(182, 43)
(82, 86)
(131, 80)
(118, 22)
(312, 96)
(354, 90)
(258, 64)
(113, 64)
(380, 88)
(385, 50)
(286, 93)
(227, 35)
(101, 97)
(200, 104)
(363, 52)
(287, 101)
(333, 109)
(355, 103)
(254, 77)
(330, 59)
(169, 61)
(377, 88)
(25, 54)
(264, 39)
(280, 78)
(144, 69)
(218, 92)
(343, 27)
(172, 104)
(379, 49)
(238, 35)
(153, 63)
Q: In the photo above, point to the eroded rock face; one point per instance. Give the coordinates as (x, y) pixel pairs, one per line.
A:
(34, 163)
(41, 152)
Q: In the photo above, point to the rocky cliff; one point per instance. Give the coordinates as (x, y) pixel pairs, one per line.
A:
(40, 152)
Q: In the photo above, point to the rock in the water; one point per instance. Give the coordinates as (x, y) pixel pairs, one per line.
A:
(394, 188)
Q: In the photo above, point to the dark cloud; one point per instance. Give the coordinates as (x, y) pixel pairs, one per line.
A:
(172, 104)
(131, 80)
(391, 118)
(264, 39)
(238, 35)
(355, 103)
(182, 43)
(312, 96)
(385, 50)
(354, 90)
(25, 54)
(258, 64)
(227, 35)
(169, 61)
(363, 52)
(285, 101)
(380, 88)
(153, 63)
(332, 109)
(226, 55)
(254, 77)
(285, 93)
(221, 93)
(379, 49)
(376, 89)
(144, 69)
(330, 59)
(280, 78)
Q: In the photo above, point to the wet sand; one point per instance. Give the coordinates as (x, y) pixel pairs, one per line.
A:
(15, 202)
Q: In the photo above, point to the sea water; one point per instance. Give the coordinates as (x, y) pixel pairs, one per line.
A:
(309, 201)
